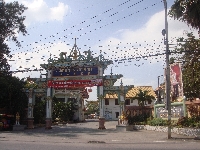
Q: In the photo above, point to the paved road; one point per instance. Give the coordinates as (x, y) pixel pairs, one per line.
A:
(87, 136)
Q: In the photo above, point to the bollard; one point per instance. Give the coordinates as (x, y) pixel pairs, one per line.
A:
(101, 123)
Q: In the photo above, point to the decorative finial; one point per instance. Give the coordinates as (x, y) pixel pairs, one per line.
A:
(111, 71)
(121, 82)
(75, 42)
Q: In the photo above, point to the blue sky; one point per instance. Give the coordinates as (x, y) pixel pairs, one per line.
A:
(124, 30)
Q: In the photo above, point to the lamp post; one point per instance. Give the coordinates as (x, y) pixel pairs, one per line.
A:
(159, 98)
(167, 73)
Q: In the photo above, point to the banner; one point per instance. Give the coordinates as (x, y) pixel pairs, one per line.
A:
(74, 83)
(176, 80)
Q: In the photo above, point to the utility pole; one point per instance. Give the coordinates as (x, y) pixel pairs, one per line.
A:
(158, 81)
(158, 90)
(167, 73)
(159, 96)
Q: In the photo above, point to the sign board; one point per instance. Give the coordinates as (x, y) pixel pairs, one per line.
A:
(75, 71)
(74, 83)
(176, 112)
(176, 80)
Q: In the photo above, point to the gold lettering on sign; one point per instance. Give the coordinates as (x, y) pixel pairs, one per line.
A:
(88, 73)
(81, 73)
(61, 70)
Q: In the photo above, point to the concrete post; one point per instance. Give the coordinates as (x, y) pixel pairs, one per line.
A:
(167, 73)
(101, 95)
(30, 110)
(49, 104)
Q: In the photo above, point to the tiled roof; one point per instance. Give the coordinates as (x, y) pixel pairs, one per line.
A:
(109, 96)
(133, 92)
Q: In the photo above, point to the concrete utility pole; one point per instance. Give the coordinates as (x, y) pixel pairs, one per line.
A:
(167, 73)
(159, 96)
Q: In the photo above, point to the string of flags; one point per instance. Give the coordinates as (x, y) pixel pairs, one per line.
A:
(122, 53)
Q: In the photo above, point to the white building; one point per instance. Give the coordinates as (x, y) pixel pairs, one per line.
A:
(111, 103)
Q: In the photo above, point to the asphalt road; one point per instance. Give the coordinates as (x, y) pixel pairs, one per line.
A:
(87, 136)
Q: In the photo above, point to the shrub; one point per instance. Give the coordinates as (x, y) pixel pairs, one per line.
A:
(197, 124)
(158, 122)
(188, 122)
(140, 119)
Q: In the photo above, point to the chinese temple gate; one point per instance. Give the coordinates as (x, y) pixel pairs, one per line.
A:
(68, 78)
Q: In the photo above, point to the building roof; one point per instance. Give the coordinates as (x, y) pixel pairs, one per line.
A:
(133, 92)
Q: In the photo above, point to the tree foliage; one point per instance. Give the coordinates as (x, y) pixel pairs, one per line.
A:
(12, 97)
(92, 107)
(143, 97)
(187, 11)
(190, 48)
(11, 23)
(39, 111)
(62, 110)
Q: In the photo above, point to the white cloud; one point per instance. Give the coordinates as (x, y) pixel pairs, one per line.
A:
(57, 13)
(38, 10)
(148, 39)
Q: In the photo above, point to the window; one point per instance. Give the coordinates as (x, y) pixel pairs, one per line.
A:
(117, 114)
(127, 102)
(106, 101)
(116, 102)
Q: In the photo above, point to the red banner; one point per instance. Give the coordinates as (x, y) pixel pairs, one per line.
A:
(74, 83)
(176, 80)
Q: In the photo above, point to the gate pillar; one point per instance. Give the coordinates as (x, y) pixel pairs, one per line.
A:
(30, 110)
(49, 104)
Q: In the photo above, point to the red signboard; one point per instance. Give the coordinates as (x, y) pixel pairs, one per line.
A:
(176, 80)
(74, 83)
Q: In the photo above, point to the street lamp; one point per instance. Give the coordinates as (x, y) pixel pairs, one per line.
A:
(159, 98)
(167, 73)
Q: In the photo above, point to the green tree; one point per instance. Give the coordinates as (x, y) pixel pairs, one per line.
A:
(92, 107)
(62, 110)
(39, 111)
(143, 97)
(12, 98)
(187, 11)
(11, 23)
(190, 49)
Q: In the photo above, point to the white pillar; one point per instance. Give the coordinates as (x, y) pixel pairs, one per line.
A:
(30, 110)
(49, 103)
(79, 108)
(48, 106)
(101, 102)
(30, 104)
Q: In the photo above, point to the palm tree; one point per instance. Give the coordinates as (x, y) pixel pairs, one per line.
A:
(143, 97)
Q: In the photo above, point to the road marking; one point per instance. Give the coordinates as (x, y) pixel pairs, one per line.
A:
(159, 141)
(116, 140)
